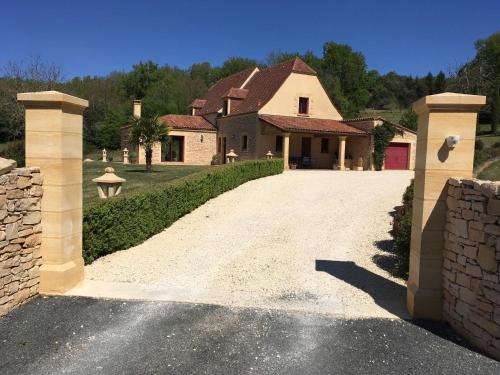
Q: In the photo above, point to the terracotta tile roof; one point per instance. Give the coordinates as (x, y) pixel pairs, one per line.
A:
(187, 122)
(261, 87)
(378, 118)
(310, 125)
(215, 93)
(264, 84)
(197, 103)
(235, 93)
(374, 118)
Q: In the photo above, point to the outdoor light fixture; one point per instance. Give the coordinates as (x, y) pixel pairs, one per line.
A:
(201, 138)
(452, 141)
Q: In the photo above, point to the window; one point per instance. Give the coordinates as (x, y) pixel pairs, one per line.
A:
(324, 145)
(244, 143)
(303, 106)
(225, 108)
(279, 144)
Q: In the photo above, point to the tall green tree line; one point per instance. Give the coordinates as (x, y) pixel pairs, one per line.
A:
(166, 89)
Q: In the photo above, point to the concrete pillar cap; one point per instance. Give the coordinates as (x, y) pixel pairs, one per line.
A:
(51, 97)
(6, 165)
(450, 101)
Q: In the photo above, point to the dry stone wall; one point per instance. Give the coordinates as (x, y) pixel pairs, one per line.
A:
(471, 287)
(20, 233)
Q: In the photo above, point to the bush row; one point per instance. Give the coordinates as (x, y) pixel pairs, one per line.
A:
(128, 220)
(401, 232)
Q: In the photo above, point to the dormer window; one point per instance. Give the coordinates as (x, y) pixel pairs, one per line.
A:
(303, 106)
(225, 107)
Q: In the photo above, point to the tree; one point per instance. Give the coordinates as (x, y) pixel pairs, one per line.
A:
(109, 130)
(429, 82)
(344, 73)
(409, 119)
(482, 76)
(440, 83)
(235, 65)
(145, 132)
(140, 79)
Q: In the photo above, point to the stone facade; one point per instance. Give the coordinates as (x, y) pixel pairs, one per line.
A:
(20, 236)
(471, 258)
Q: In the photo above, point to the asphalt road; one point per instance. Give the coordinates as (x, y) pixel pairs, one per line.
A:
(72, 335)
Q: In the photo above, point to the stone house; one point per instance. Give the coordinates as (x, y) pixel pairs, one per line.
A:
(283, 109)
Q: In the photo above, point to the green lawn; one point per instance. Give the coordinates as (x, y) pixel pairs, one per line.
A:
(492, 173)
(137, 178)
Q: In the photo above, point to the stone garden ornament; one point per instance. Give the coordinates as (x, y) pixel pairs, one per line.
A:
(109, 184)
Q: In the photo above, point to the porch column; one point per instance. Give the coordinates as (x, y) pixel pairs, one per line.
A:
(286, 149)
(54, 143)
(439, 116)
(341, 165)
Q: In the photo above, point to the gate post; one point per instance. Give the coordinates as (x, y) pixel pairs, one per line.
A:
(54, 137)
(439, 116)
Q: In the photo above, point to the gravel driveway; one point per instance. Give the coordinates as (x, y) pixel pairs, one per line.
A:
(303, 240)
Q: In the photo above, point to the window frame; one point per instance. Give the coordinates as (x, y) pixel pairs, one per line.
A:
(244, 142)
(303, 99)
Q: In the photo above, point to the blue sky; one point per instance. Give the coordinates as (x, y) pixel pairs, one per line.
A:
(96, 37)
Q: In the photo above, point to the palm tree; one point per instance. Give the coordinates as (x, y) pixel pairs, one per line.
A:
(145, 132)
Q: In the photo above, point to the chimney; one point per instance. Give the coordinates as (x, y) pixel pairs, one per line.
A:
(137, 109)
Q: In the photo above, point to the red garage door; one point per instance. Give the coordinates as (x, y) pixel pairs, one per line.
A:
(396, 156)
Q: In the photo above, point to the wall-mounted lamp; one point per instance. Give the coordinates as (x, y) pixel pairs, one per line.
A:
(201, 138)
(452, 141)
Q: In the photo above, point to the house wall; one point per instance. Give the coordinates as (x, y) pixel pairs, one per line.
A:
(471, 273)
(234, 127)
(20, 236)
(196, 150)
(285, 101)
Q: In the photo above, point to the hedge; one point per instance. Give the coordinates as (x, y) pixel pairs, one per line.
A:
(128, 220)
(401, 232)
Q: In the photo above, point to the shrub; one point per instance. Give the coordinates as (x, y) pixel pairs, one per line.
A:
(478, 145)
(402, 233)
(129, 219)
(15, 151)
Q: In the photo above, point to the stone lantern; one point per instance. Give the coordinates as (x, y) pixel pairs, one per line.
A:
(231, 156)
(104, 155)
(125, 156)
(109, 184)
(269, 155)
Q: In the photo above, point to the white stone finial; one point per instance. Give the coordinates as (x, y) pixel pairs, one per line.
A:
(104, 155)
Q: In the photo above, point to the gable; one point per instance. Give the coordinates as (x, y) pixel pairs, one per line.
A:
(286, 99)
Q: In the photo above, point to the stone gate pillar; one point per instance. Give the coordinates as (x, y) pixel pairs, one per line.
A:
(439, 116)
(54, 137)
